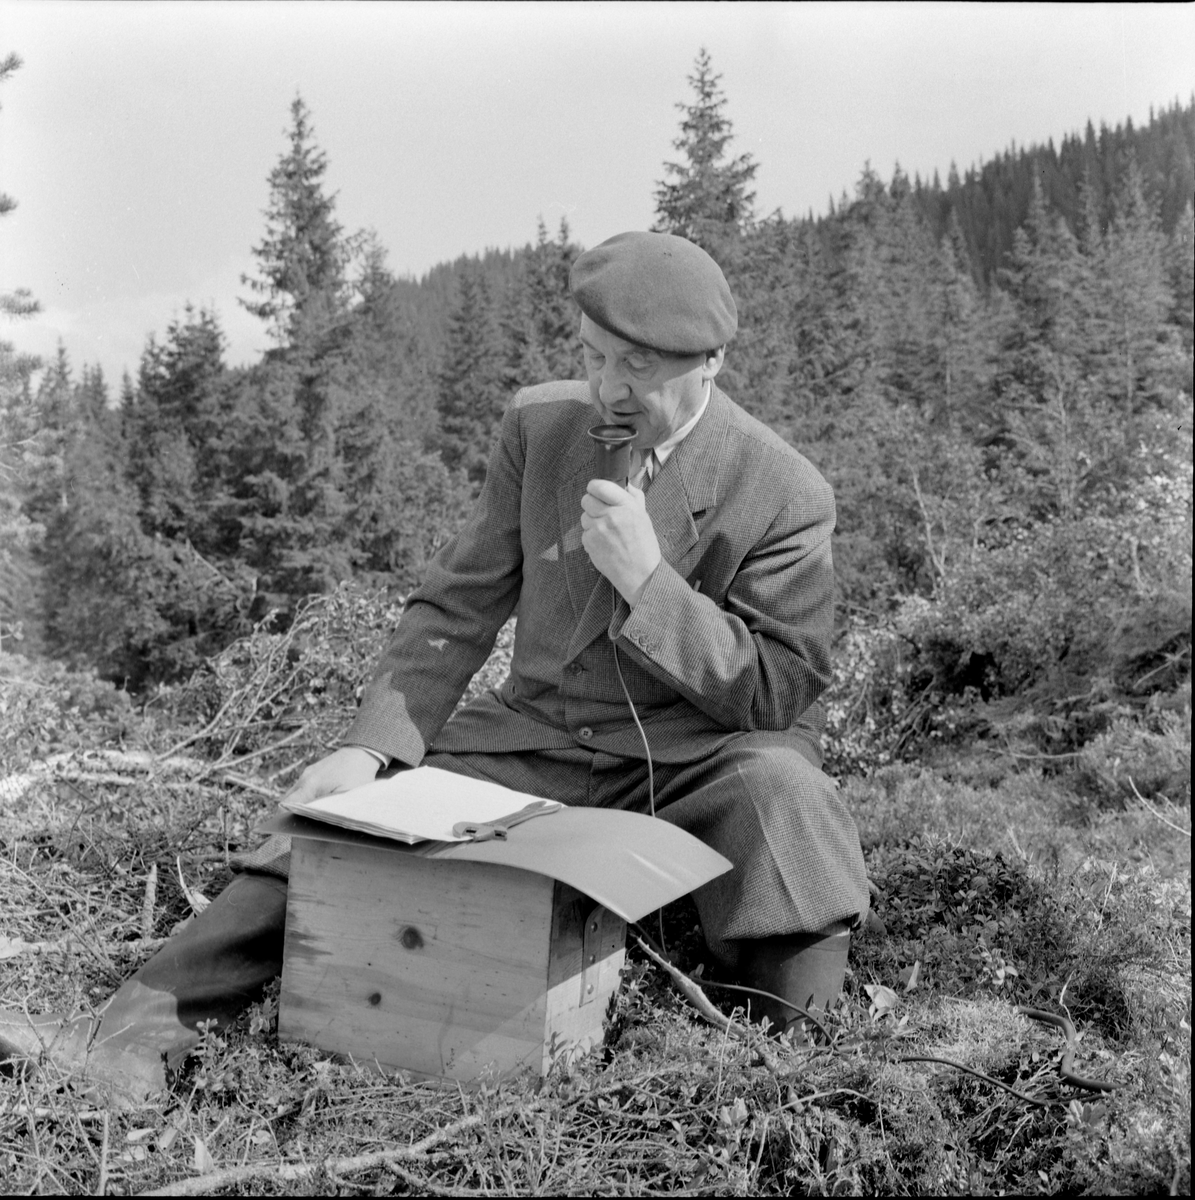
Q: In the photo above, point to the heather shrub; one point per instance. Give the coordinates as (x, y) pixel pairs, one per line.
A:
(1148, 757)
(47, 708)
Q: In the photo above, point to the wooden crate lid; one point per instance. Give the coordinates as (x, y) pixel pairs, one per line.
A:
(628, 863)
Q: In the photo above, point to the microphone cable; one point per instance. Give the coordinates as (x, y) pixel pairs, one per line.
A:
(612, 449)
(651, 775)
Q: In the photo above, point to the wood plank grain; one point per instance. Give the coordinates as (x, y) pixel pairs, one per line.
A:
(573, 1028)
(434, 966)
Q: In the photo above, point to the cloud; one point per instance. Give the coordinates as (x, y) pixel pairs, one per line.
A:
(112, 332)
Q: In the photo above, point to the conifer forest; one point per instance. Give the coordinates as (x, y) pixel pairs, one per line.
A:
(994, 375)
(994, 372)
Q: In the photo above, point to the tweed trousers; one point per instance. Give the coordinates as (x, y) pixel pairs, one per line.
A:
(757, 799)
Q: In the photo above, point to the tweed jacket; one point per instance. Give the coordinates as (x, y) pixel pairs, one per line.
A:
(731, 634)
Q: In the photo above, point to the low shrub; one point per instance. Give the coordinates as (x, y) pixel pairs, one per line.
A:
(1148, 756)
(972, 918)
(867, 698)
(47, 708)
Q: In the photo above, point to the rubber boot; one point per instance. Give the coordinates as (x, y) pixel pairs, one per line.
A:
(209, 971)
(806, 968)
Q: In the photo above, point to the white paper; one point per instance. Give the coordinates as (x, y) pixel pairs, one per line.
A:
(418, 805)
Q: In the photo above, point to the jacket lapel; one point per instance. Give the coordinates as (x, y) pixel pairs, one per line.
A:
(581, 575)
(686, 484)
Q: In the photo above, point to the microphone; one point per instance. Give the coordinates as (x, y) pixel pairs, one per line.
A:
(612, 452)
(612, 461)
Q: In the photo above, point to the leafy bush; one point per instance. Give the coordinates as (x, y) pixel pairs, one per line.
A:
(1043, 642)
(143, 609)
(975, 918)
(885, 703)
(1043, 627)
(1150, 758)
(46, 708)
(980, 921)
(868, 697)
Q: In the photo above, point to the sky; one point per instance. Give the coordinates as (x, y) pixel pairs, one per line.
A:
(138, 136)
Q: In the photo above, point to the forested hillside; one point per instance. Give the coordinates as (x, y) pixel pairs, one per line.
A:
(199, 565)
(995, 375)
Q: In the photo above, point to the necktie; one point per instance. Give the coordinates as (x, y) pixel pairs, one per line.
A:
(645, 470)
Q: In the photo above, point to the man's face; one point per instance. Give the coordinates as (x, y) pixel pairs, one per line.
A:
(630, 385)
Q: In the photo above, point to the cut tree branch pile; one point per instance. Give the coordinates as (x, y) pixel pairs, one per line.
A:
(127, 768)
(120, 768)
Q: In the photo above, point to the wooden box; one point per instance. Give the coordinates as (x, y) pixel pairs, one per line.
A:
(471, 959)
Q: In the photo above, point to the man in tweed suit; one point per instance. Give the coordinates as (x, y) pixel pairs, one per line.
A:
(706, 590)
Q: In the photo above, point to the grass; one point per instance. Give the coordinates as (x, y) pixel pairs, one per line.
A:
(1000, 886)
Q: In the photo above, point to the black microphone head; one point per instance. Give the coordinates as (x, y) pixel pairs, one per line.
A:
(612, 452)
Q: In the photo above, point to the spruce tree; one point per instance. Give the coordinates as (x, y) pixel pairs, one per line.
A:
(96, 591)
(1181, 266)
(556, 317)
(391, 352)
(402, 502)
(1142, 366)
(47, 436)
(268, 455)
(175, 425)
(18, 303)
(472, 391)
(706, 199)
(23, 451)
(303, 257)
(291, 481)
(961, 339)
(1070, 427)
(541, 319)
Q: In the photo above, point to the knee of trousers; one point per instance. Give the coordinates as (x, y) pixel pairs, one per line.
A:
(798, 862)
(783, 790)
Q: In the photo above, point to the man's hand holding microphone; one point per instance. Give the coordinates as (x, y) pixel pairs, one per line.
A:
(616, 532)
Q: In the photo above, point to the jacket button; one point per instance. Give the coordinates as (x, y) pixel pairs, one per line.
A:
(584, 733)
(574, 668)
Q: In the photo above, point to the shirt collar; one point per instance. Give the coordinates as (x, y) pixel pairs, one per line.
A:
(666, 447)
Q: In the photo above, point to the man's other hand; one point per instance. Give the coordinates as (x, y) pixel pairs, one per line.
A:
(619, 537)
(346, 768)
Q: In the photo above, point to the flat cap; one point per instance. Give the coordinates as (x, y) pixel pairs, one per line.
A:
(658, 290)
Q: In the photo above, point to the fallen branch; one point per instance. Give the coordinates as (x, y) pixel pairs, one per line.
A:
(87, 1116)
(116, 767)
(1154, 811)
(149, 901)
(14, 947)
(804, 1014)
(701, 1002)
(102, 1186)
(284, 1172)
(434, 1189)
(249, 785)
(230, 763)
(1031, 757)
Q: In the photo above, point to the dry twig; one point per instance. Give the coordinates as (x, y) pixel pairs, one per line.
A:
(203, 1185)
(1154, 811)
(701, 1002)
(102, 1186)
(14, 947)
(148, 903)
